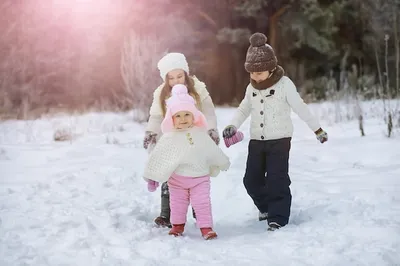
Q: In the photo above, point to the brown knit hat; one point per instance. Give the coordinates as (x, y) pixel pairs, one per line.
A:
(260, 56)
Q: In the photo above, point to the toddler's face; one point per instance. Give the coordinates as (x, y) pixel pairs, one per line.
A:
(259, 76)
(183, 120)
(176, 76)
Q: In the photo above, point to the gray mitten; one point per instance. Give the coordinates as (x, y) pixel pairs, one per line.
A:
(321, 135)
(213, 133)
(150, 138)
(229, 131)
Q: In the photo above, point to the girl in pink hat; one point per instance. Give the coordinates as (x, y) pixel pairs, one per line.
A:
(174, 69)
(185, 157)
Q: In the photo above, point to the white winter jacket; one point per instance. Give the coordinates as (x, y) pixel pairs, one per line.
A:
(188, 152)
(207, 108)
(270, 112)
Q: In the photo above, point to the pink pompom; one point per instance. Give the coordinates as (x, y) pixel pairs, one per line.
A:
(179, 95)
(179, 89)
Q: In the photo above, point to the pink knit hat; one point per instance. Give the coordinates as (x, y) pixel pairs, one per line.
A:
(180, 100)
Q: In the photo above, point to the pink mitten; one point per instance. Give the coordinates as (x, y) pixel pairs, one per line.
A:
(152, 185)
(238, 137)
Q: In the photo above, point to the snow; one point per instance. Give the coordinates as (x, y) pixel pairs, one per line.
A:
(84, 202)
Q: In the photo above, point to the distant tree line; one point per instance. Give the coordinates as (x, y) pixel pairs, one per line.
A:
(79, 56)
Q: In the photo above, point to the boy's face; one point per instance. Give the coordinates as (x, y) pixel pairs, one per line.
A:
(183, 120)
(259, 76)
(176, 76)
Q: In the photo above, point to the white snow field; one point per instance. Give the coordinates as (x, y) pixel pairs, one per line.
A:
(84, 202)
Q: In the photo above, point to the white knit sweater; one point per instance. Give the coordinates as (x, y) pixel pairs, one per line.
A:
(270, 114)
(207, 108)
(188, 152)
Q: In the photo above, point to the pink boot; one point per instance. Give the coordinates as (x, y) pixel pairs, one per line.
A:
(177, 229)
(208, 233)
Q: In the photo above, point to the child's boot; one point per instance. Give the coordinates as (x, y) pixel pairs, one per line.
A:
(177, 229)
(208, 233)
(162, 221)
(272, 226)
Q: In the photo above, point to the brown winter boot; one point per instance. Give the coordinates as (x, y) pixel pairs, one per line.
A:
(162, 221)
(177, 229)
(208, 233)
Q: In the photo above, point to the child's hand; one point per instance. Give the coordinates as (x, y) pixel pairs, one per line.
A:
(237, 137)
(213, 133)
(152, 185)
(322, 136)
(150, 138)
(229, 131)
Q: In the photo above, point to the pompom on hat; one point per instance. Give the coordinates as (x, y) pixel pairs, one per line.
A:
(180, 100)
(170, 62)
(260, 56)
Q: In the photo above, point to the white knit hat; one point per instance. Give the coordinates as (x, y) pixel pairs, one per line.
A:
(170, 62)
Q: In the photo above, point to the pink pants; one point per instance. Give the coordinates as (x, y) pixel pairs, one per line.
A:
(195, 190)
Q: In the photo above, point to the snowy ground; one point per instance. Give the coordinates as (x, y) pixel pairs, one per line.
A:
(84, 202)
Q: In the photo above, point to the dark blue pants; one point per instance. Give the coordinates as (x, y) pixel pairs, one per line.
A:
(267, 179)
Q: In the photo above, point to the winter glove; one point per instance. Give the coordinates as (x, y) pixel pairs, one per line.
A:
(152, 185)
(150, 138)
(213, 133)
(229, 131)
(322, 136)
(238, 137)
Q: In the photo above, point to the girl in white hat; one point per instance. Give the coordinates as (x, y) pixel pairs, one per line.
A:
(174, 69)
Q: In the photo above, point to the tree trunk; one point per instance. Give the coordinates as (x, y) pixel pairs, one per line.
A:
(397, 53)
(273, 26)
(301, 74)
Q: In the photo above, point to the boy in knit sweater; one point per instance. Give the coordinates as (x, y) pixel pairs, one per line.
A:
(186, 157)
(269, 100)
